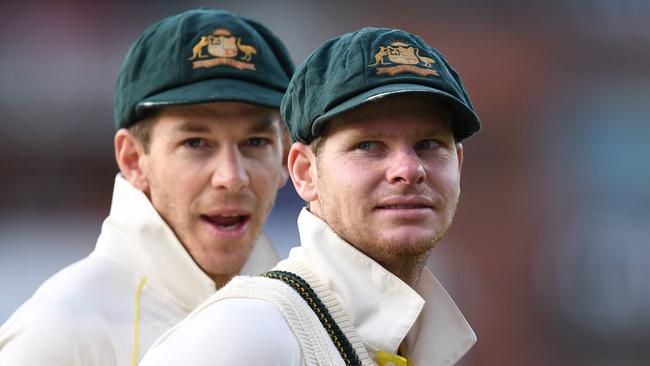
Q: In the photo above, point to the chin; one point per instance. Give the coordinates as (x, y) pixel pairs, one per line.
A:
(409, 243)
(411, 234)
(226, 267)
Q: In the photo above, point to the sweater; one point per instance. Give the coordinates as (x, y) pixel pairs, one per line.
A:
(260, 321)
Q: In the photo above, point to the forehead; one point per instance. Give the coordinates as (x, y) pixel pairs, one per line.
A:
(395, 115)
(221, 116)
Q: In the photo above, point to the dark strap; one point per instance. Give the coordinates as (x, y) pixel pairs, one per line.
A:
(301, 286)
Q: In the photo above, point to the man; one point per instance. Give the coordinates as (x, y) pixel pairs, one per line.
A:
(377, 117)
(201, 151)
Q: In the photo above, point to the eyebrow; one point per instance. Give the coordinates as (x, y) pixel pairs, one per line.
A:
(417, 133)
(262, 125)
(190, 127)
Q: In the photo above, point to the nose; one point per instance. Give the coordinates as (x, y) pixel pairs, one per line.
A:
(405, 167)
(230, 171)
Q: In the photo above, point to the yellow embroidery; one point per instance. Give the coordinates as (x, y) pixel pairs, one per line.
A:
(248, 50)
(136, 333)
(224, 48)
(197, 51)
(379, 56)
(402, 57)
(406, 68)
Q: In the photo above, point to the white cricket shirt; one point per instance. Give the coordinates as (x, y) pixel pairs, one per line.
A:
(383, 310)
(108, 308)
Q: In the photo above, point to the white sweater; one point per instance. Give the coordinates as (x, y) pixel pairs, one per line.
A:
(108, 308)
(259, 321)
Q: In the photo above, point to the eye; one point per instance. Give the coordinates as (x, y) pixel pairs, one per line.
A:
(428, 144)
(367, 145)
(194, 143)
(258, 141)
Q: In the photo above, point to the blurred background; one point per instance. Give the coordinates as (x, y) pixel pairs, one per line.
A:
(549, 257)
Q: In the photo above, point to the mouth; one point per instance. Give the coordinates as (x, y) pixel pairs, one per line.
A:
(405, 203)
(403, 207)
(226, 222)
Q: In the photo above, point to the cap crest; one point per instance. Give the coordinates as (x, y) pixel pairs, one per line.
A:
(402, 57)
(224, 49)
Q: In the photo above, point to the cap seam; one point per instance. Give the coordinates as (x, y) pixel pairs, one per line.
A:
(180, 53)
(365, 68)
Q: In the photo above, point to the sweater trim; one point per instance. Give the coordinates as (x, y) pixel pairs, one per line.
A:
(333, 305)
(339, 339)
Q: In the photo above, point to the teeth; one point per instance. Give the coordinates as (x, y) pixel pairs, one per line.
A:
(228, 227)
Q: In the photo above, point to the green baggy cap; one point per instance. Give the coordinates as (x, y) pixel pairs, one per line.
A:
(199, 56)
(367, 65)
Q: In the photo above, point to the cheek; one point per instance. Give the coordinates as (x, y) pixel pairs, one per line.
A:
(176, 187)
(446, 180)
(348, 186)
(266, 175)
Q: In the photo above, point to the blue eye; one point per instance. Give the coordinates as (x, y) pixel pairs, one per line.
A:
(367, 145)
(194, 143)
(427, 144)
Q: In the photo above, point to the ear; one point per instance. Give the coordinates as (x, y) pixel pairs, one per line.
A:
(130, 156)
(459, 153)
(302, 168)
(286, 144)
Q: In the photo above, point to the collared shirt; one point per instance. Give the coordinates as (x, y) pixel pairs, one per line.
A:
(108, 308)
(384, 311)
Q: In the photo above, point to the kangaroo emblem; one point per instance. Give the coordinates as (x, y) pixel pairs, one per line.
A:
(399, 57)
(197, 51)
(222, 49)
(379, 56)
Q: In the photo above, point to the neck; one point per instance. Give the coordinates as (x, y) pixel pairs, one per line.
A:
(408, 269)
(221, 280)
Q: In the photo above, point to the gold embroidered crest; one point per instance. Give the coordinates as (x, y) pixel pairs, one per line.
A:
(224, 49)
(402, 57)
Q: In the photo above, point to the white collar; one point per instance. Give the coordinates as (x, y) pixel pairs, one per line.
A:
(137, 237)
(384, 310)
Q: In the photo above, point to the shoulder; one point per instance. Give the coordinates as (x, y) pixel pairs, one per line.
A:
(68, 318)
(234, 331)
(53, 336)
(92, 285)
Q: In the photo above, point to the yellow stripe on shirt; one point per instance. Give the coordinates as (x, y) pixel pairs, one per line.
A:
(137, 321)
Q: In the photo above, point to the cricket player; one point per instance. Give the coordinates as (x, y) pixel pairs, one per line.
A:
(201, 151)
(377, 117)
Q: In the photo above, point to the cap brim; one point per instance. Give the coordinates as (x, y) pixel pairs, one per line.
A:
(213, 90)
(465, 121)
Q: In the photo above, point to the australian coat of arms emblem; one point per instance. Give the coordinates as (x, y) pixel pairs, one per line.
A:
(398, 57)
(222, 49)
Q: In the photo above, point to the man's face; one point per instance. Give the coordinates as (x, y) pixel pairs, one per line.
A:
(388, 176)
(212, 172)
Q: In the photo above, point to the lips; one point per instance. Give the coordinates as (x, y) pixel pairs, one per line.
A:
(405, 203)
(227, 222)
(402, 207)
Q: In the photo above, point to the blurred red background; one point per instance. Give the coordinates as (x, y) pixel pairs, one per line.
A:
(548, 255)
